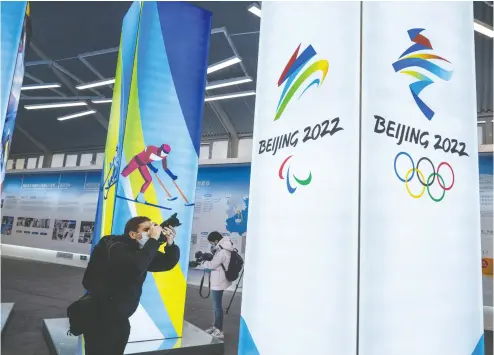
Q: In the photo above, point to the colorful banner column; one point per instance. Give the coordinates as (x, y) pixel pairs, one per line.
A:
(14, 22)
(300, 283)
(420, 274)
(152, 150)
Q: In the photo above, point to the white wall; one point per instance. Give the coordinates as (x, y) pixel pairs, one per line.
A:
(204, 151)
(71, 160)
(19, 165)
(31, 163)
(57, 160)
(86, 159)
(219, 150)
(245, 148)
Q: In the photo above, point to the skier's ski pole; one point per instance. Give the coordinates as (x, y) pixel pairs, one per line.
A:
(181, 193)
(163, 186)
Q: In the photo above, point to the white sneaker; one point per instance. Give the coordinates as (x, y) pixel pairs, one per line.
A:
(210, 330)
(218, 334)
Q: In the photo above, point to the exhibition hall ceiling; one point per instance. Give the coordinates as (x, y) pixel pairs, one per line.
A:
(63, 32)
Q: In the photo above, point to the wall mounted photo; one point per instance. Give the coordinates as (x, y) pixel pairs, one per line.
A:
(7, 223)
(86, 232)
(64, 230)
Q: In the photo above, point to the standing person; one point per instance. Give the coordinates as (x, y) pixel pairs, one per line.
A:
(114, 277)
(222, 248)
(143, 161)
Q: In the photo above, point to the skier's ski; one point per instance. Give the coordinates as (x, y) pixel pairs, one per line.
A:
(144, 203)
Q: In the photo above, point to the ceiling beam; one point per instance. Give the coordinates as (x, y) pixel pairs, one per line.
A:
(57, 70)
(28, 135)
(93, 69)
(62, 98)
(36, 80)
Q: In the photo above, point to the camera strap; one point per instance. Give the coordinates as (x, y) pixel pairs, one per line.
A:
(202, 284)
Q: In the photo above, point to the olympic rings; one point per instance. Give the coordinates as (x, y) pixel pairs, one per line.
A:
(419, 173)
(433, 169)
(452, 172)
(413, 166)
(421, 178)
(429, 191)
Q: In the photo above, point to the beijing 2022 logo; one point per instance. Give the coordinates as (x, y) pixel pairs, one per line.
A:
(291, 71)
(407, 176)
(294, 78)
(420, 55)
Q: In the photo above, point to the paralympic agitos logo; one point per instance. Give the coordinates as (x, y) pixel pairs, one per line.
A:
(287, 176)
(419, 55)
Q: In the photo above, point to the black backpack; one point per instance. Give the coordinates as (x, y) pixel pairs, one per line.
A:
(80, 314)
(235, 267)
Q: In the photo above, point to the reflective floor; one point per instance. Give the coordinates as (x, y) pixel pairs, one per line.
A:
(194, 341)
(42, 291)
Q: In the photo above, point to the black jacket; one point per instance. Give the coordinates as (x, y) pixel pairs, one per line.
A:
(117, 269)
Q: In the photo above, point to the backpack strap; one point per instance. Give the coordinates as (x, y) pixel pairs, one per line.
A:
(223, 266)
(202, 284)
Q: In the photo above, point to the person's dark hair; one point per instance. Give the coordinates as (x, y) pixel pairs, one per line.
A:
(214, 237)
(133, 224)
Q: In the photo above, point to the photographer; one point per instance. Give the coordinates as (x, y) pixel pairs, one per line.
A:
(221, 247)
(114, 277)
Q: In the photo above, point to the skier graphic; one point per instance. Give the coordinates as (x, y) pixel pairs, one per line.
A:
(5, 150)
(143, 162)
(112, 177)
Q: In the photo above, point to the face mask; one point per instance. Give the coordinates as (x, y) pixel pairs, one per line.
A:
(214, 248)
(144, 239)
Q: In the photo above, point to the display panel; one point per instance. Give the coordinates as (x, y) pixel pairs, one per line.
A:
(221, 204)
(14, 23)
(152, 150)
(420, 285)
(300, 282)
(486, 223)
(50, 210)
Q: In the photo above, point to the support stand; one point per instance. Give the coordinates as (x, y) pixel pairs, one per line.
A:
(6, 313)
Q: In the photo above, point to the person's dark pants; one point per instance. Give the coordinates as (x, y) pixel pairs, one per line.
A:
(108, 336)
(217, 297)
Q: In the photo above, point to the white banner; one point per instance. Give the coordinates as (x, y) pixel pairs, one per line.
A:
(420, 285)
(300, 286)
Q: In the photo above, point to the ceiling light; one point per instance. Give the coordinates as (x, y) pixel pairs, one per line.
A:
(223, 64)
(55, 105)
(480, 122)
(101, 101)
(74, 115)
(95, 84)
(483, 28)
(255, 9)
(228, 82)
(40, 86)
(229, 96)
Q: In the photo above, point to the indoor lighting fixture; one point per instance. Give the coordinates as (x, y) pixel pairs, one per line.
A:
(229, 96)
(40, 86)
(223, 64)
(481, 27)
(74, 115)
(55, 105)
(480, 122)
(228, 82)
(101, 101)
(95, 84)
(255, 9)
